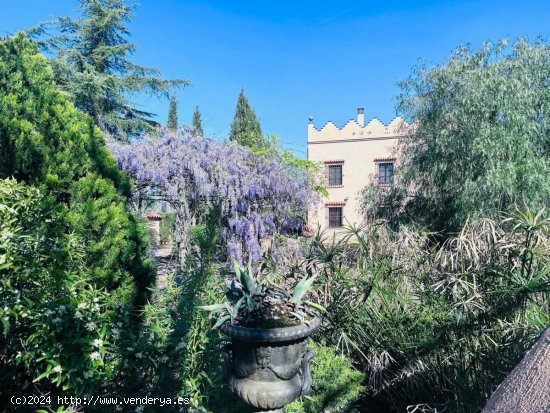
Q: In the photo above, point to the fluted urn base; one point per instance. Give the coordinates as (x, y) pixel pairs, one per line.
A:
(267, 394)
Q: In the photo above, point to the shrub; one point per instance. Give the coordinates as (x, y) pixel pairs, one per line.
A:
(437, 326)
(336, 384)
(58, 330)
(46, 142)
(74, 261)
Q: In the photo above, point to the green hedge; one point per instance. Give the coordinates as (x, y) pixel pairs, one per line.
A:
(74, 262)
(46, 142)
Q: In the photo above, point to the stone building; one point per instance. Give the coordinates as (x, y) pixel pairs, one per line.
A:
(353, 156)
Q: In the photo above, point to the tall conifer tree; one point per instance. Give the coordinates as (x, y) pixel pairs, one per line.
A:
(90, 56)
(46, 142)
(246, 129)
(197, 123)
(172, 123)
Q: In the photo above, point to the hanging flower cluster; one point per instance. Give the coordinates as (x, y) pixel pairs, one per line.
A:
(259, 195)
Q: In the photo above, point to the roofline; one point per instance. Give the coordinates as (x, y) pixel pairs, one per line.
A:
(382, 138)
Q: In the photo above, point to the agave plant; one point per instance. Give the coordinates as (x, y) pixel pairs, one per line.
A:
(258, 302)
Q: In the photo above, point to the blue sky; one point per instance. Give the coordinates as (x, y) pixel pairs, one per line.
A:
(298, 58)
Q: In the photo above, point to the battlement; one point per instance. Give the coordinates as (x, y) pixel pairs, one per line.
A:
(357, 130)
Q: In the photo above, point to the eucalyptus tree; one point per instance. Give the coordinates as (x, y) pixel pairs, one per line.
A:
(90, 56)
(481, 137)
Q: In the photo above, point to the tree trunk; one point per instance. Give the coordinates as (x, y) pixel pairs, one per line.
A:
(527, 388)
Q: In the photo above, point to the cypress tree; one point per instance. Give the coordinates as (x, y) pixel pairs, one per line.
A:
(172, 123)
(246, 129)
(197, 123)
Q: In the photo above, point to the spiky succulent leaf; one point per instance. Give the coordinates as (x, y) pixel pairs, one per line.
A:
(213, 307)
(315, 306)
(250, 303)
(235, 310)
(249, 281)
(220, 321)
(301, 289)
(299, 316)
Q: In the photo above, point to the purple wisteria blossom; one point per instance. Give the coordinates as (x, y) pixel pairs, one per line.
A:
(259, 195)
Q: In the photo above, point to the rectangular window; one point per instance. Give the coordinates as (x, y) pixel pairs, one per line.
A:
(335, 175)
(335, 217)
(385, 173)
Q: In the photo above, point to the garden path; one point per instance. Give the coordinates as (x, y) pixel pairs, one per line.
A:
(165, 263)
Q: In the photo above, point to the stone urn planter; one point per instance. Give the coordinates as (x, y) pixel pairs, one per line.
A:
(269, 368)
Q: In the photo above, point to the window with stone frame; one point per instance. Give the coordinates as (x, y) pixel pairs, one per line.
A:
(335, 175)
(385, 173)
(335, 217)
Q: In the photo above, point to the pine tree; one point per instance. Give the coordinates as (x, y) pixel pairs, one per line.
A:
(197, 123)
(246, 129)
(90, 58)
(172, 123)
(46, 142)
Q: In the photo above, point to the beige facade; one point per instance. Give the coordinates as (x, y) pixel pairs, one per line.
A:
(353, 156)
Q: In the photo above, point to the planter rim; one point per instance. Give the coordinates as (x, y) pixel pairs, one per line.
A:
(272, 335)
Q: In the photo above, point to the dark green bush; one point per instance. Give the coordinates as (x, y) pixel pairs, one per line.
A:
(74, 262)
(336, 384)
(58, 330)
(46, 142)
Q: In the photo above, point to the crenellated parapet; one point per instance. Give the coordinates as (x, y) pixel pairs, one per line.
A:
(353, 156)
(357, 130)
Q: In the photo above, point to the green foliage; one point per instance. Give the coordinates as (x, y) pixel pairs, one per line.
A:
(436, 326)
(90, 57)
(172, 123)
(45, 141)
(272, 146)
(179, 354)
(481, 137)
(167, 228)
(59, 331)
(245, 128)
(336, 387)
(197, 123)
(74, 261)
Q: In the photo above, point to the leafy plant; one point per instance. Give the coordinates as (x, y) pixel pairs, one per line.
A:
(337, 385)
(436, 327)
(479, 144)
(47, 291)
(261, 303)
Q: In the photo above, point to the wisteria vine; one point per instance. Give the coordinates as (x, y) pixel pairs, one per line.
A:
(259, 195)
